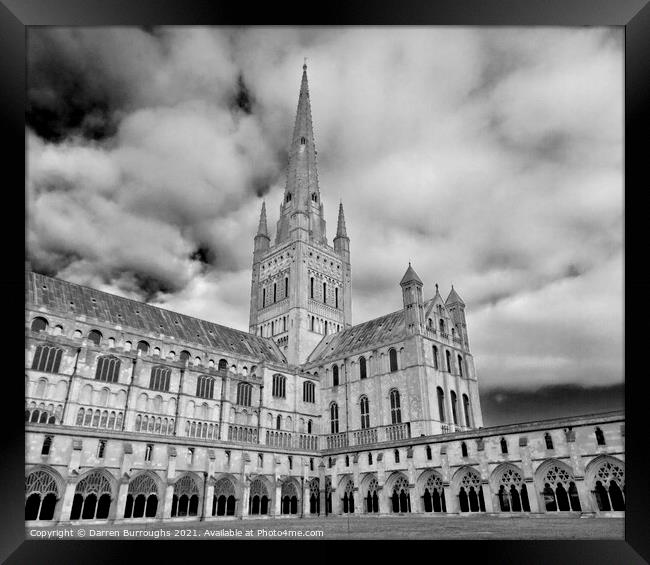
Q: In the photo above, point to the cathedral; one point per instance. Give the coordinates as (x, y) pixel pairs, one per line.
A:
(137, 414)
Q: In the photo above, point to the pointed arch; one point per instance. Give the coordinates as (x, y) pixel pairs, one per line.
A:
(94, 494)
(431, 490)
(556, 481)
(605, 476)
(397, 489)
(43, 490)
(187, 489)
(259, 500)
(225, 496)
(467, 485)
(507, 481)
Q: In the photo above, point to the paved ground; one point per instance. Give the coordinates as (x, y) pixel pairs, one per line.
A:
(362, 527)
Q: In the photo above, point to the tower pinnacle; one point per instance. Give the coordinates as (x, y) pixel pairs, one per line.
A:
(340, 228)
(262, 228)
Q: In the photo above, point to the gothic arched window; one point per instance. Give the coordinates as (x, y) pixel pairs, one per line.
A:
(335, 375)
(47, 359)
(244, 392)
(448, 356)
(504, 445)
(279, 386)
(467, 410)
(205, 387)
(92, 499)
(159, 379)
(441, 404)
(108, 369)
(42, 493)
(334, 418)
(395, 409)
(362, 368)
(435, 358)
(365, 412)
(460, 365)
(392, 356)
(454, 408)
(600, 436)
(308, 392)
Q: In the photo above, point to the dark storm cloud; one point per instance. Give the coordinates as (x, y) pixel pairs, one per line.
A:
(242, 99)
(507, 406)
(490, 158)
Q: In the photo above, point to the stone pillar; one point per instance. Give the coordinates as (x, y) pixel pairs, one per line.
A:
(321, 488)
(358, 500)
(532, 495)
(169, 497)
(383, 509)
(451, 499)
(242, 509)
(487, 496)
(68, 497)
(416, 507)
(122, 492)
(208, 493)
(586, 499)
(305, 498)
(278, 499)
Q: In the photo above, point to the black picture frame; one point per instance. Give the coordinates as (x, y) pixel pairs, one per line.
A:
(634, 15)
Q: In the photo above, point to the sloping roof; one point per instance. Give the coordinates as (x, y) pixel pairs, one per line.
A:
(69, 299)
(410, 275)
(454, 298)
(364, 336)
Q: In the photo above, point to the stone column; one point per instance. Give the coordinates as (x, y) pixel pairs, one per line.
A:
(416, 507)
(278, 499)
(487, 496)
(169, 496)
(358, 500)
(321, 488)
(244, 502)
(68, 497)
(532, 495)
(586, 499)
(208, 494)
(383, 509)
(305, 498)
(451, 499)
(122, 492)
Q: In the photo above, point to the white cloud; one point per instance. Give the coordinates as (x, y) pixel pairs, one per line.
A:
(490, 158)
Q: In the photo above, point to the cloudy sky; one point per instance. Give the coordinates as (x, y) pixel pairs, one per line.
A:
(489, 157)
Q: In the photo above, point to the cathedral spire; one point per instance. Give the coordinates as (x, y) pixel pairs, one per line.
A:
(301, 207)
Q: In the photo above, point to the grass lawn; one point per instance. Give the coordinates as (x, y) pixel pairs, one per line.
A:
(361, 527)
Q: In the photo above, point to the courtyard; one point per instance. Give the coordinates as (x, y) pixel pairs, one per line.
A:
(357, 527)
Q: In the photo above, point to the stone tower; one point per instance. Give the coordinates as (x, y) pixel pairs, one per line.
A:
(413, 302)
(301, 287)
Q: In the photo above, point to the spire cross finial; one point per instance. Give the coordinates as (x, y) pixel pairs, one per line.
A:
(436, 287)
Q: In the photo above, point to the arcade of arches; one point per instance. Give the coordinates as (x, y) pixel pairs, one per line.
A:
(554, 488)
